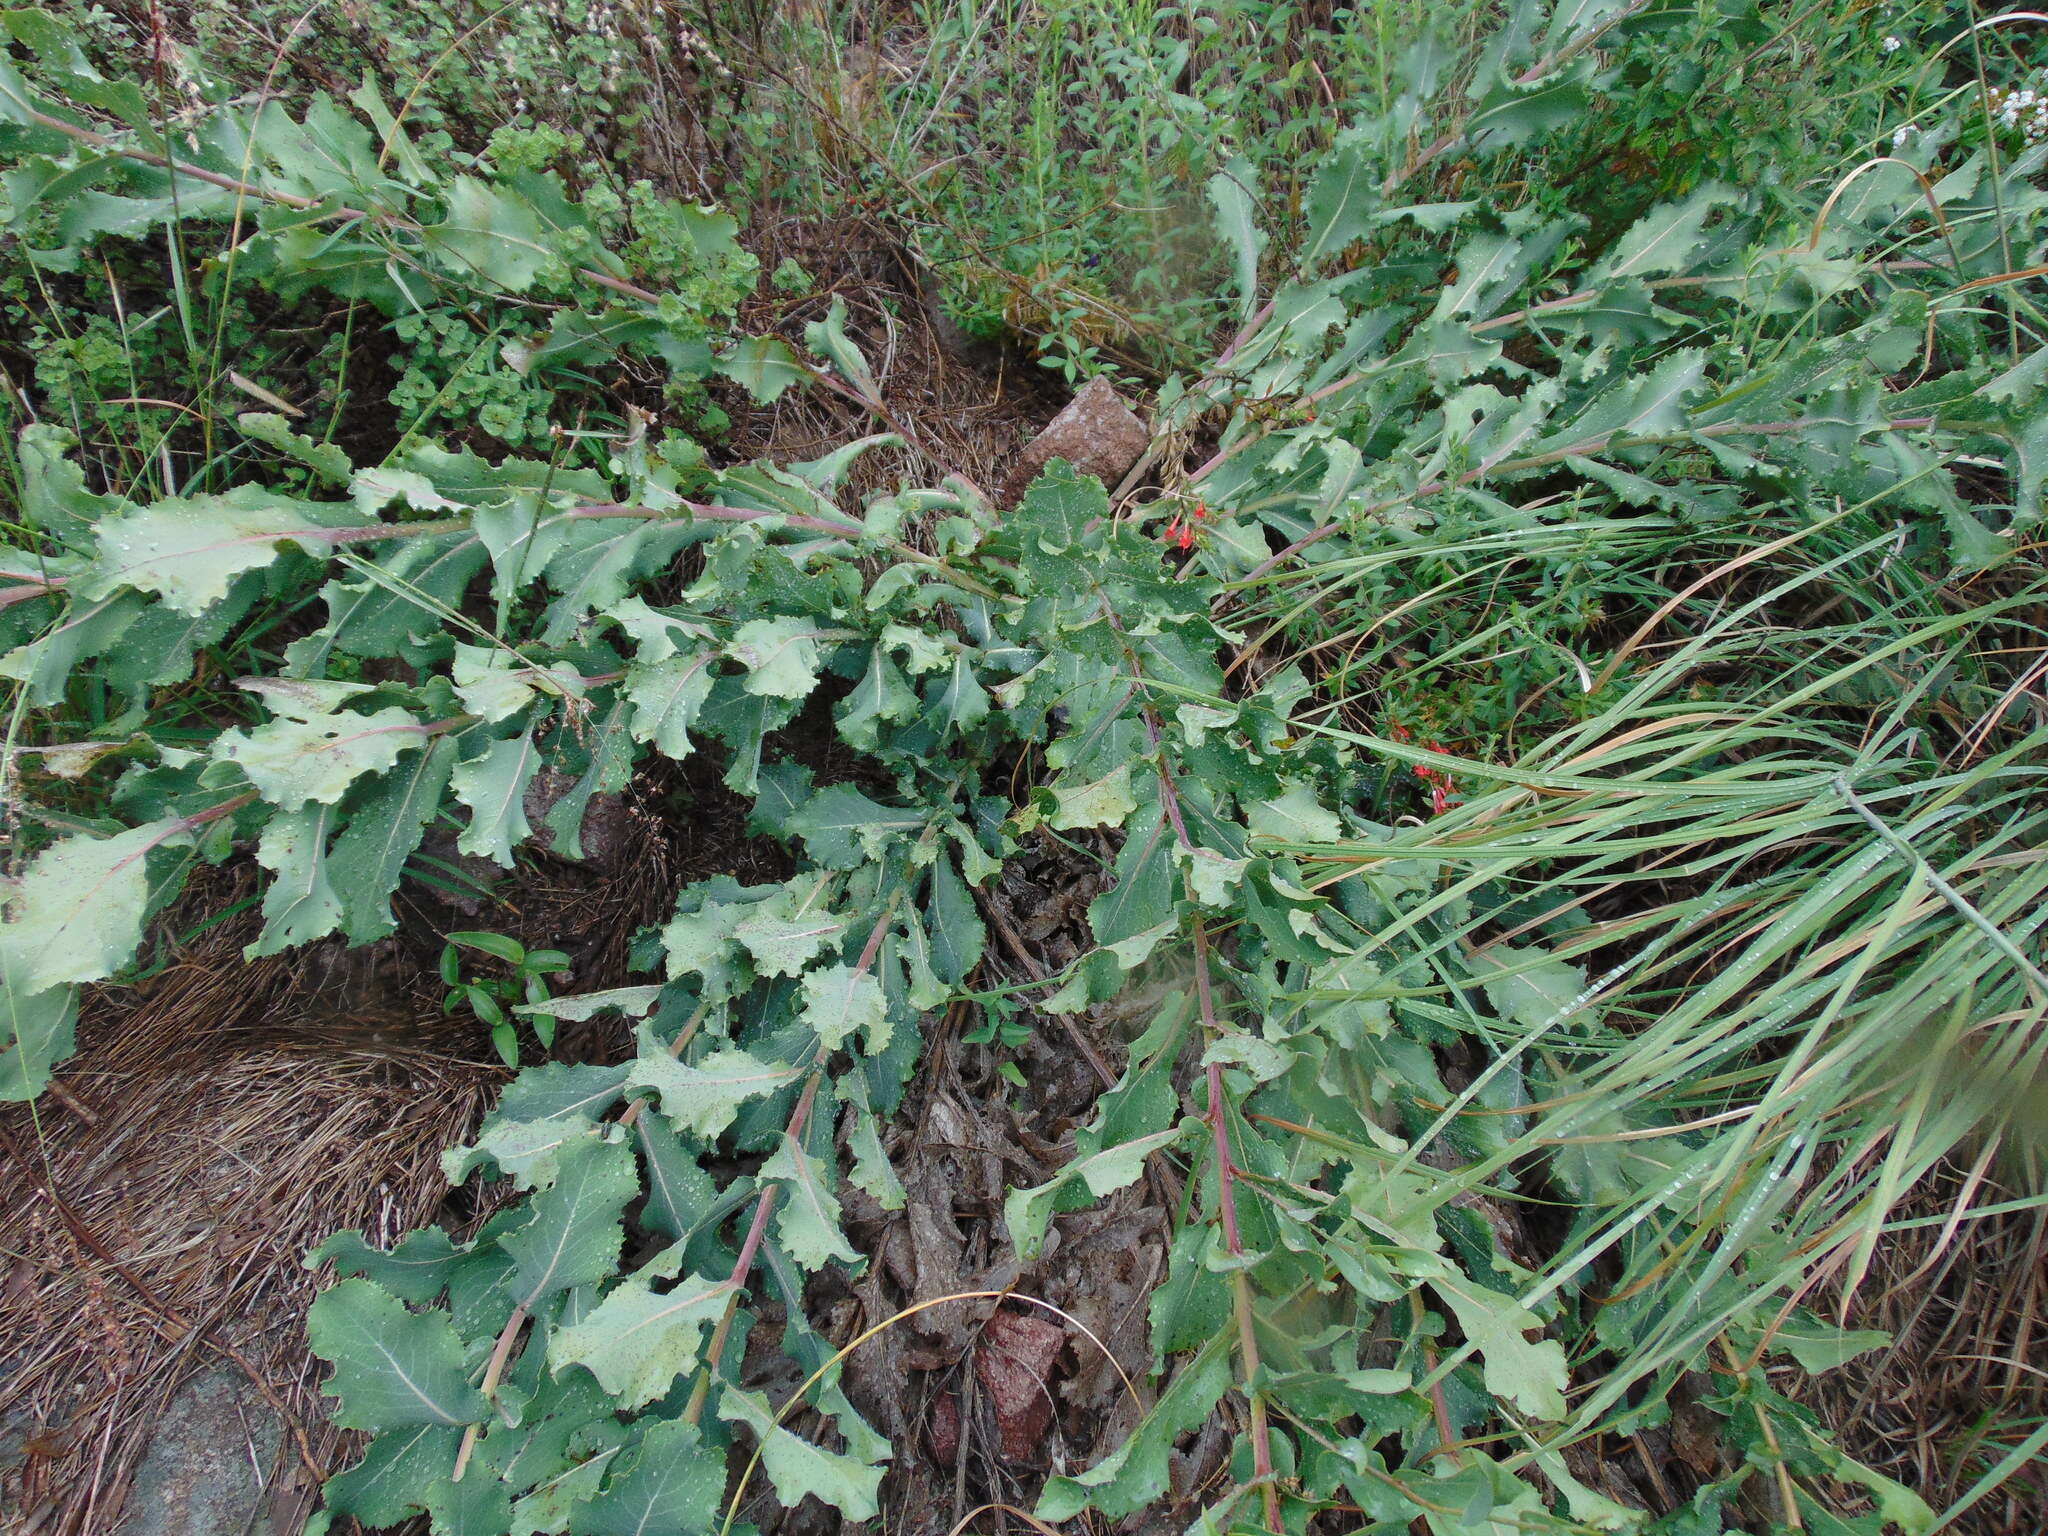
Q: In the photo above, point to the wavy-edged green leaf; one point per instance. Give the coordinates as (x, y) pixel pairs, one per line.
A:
(493, 785)
(392, 1367)
(638, 1340)
(703, 1098)
(667, 1485)
(807, 1215)
(76, 912)
(188, 551)
(799, 1469)
(576, 1232)
(295, 762)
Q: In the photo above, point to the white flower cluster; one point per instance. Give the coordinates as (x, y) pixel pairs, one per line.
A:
(2025, 109)
(1893, 44)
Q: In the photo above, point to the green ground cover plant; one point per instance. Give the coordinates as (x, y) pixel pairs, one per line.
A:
(1563, 712)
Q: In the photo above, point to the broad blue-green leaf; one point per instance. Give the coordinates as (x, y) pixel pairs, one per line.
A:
(493, 785)
(957, 933)
(1664, 239)
(702, 1099)
(807, 1214)
(680, 1194)
(1106, 802)
(799, 1469)
(392, 1368)
(763, 366)
(392, 1479)
(1193, 1304)
(522, 536)
(1654, 403)
(561, 1090)
(666, 696)
(1296, 816)
(670, 1485)
(828, 338)
(1134, 1474)
(300, 904)
(408, 591)
(957, 701)
(872, 1171)
(479, 1505)
(76, 912)
(1514, 113)
(1233, 195)
(883, 694)
(327, 460)
(54, 498)
(526, 1151)
(780, 655)
(609, 743)
(1530, 988)
(638, 1340)
(417, 1270)
(1820, 1346)
(576, 1232)
(1026, 1211)
(296, 761)
(547, 1510)
(1529, 1373)
(491, 236)
(839, 999)
(367, 859)
(38, 1029)
(1143, 897)
(1342, 197)
(784, 936)
(493, 683)
(189, 551)
(841, 827)
(84, 632)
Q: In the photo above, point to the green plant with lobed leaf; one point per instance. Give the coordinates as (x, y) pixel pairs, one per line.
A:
(1395, 1027)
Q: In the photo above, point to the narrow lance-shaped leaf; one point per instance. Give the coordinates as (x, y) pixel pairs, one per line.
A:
(368, 857)
(1232, 194)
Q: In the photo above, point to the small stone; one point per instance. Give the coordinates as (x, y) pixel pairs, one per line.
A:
(1097, 433)
(1015, 1362)
(204, 1470)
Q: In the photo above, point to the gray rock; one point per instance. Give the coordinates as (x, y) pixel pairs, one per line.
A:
(205, 1469)
(1097, 433)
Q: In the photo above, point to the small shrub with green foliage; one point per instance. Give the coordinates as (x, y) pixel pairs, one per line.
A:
(1425, 402)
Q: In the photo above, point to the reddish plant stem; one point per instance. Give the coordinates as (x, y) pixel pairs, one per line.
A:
(1445, 1441)
(1226, 1206)
(750, 1247)
(494, 1372)
(757, 1229)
